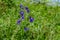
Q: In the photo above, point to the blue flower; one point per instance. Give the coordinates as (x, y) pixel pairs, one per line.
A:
(27, 9)
(22, 17)
(31, 19)
(21, 13)
(18, 22)
(26, 29)
(21, 6)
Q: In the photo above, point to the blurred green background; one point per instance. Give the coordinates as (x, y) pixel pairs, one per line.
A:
(46, 25)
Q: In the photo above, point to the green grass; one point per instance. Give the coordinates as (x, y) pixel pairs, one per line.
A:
(46, 25)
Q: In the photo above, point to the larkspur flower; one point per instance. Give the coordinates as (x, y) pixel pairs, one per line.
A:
(22, 17)
(26, 8)
(18, 22)
(21, 13)
(21, 6)
(27, 11)
(26, 29)
(31, 19)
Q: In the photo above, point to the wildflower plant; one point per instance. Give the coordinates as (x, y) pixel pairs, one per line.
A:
(22, 16)
(36, 21)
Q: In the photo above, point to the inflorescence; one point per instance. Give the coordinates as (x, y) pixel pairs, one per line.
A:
(31, 19)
